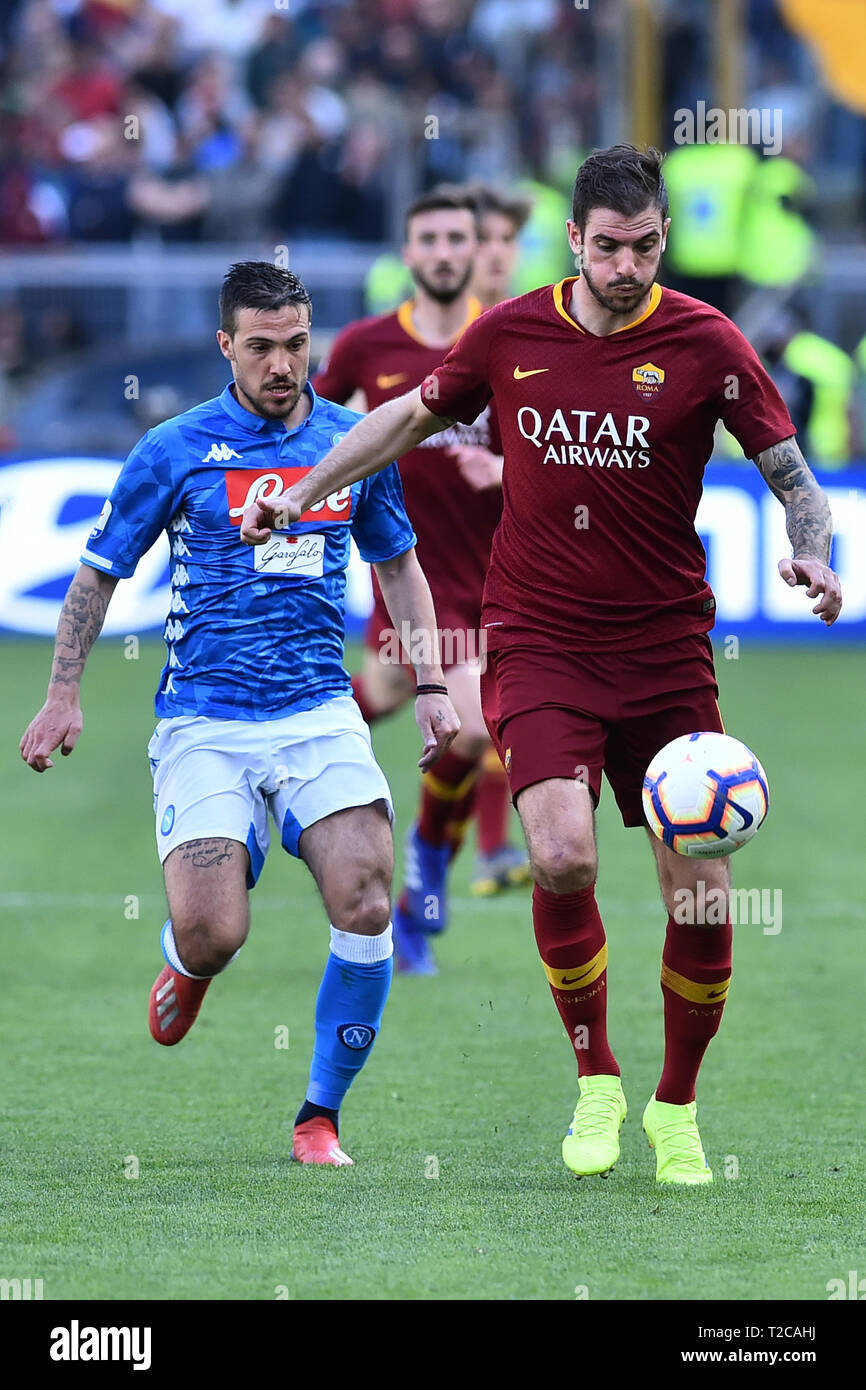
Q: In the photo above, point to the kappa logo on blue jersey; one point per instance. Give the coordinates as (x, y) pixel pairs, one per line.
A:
(220, 453)
(356, 1035)
(167, 820)
(335, 438)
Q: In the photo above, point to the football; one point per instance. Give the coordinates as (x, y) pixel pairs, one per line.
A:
(705, 795)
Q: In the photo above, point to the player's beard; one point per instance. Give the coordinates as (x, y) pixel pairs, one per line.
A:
(443, 294)
(615, 303)
(268, 405)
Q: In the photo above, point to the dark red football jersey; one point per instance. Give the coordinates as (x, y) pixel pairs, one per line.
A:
(605, 442)
(385, 358)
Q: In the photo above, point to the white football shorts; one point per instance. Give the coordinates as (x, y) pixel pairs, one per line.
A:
(215, 778)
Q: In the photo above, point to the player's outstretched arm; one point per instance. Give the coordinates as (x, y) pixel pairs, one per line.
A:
(410, 606)
(386, 433)
(58, 723)
(808, 523)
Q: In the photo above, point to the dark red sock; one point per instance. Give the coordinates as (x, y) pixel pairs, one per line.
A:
(492, 804)
(444, 787)
(573, 948)
(359, 690)
(461, 814)
(696, 972)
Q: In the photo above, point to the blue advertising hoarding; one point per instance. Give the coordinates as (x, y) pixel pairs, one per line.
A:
(48, 506)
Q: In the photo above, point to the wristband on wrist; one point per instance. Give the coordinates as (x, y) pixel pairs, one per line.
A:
(431, 690)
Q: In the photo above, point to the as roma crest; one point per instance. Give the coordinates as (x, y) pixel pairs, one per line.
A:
(648, 380)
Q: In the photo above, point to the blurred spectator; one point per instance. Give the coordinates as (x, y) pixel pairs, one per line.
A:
(153, 126)
(87, 87)
(150, 53)
(336, 188)
(831, 373)
(302, 111)
(173, 201)
(32, 211)
(209, 115)
(98, 160)
(239, 197)
(15, 360)
(228, 27)
(275, 53)
(795, 389)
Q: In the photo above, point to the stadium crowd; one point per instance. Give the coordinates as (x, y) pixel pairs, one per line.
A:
(204, 121)
(258, 121)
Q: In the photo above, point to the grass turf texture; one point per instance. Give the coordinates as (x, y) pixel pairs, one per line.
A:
(472, 1074)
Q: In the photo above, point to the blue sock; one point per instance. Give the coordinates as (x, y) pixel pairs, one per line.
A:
(349, 1011)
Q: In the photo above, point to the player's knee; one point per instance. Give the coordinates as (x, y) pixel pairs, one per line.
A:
(206, 946)
(366, 908)
(563, 866)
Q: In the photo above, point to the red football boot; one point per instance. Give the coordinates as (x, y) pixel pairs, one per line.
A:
(174, 1004)
(315, 1141)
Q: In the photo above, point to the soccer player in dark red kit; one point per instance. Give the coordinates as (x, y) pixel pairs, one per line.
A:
(454, 523)
(597, 609)
(501, 217)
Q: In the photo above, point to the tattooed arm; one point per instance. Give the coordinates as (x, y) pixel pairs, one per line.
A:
(81, 618)
(808, 523)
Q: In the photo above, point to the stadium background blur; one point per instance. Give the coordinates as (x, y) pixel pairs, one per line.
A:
(145, 145)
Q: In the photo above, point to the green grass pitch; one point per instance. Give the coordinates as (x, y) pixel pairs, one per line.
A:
(472, 1076)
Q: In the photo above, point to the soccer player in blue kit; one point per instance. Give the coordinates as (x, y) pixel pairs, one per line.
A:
(256, 710)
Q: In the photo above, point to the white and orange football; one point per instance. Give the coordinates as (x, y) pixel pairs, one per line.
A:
(705, 795)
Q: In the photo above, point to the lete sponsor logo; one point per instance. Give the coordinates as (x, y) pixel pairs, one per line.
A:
(244, 488)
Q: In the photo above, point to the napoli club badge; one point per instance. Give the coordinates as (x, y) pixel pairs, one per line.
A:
(648, 380)
(357, 1036)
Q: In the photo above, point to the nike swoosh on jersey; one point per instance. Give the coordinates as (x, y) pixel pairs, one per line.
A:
(383, 382)
(531, 371)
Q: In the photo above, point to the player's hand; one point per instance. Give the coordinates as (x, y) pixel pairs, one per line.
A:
(437, 719)
(260, 516)
(479, 467)
(56, 725)
(805, 569)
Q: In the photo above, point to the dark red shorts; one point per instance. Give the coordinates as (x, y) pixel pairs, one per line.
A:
(554, 713)
(460, 636)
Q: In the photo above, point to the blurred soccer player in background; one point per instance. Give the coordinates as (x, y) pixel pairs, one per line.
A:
(380, 357)
(501, 216)
(608, 389)
(256, 711)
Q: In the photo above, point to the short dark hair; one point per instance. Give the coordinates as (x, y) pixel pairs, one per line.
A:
(515, 206)
(454, 196)
(258, 285)
(622, 177)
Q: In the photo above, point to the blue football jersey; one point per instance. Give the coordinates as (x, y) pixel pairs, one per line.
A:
(253, 632)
